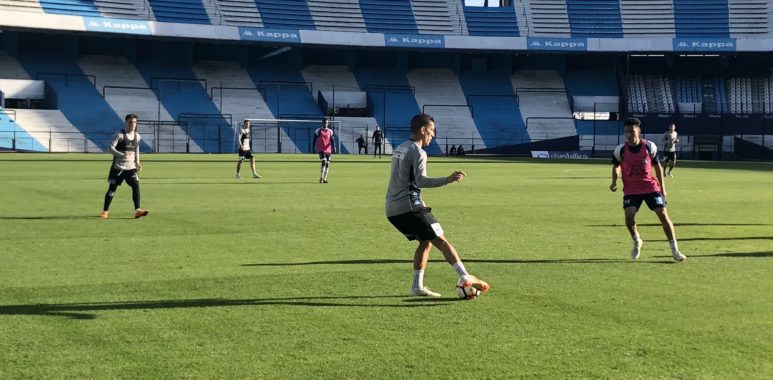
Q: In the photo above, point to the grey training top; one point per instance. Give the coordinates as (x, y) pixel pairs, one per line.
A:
(126, 152)
(409, 175)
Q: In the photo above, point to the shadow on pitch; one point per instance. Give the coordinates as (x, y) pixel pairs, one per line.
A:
(681, 224)
(87, 310)
(736, 254)
(55, 217)
(487, 261)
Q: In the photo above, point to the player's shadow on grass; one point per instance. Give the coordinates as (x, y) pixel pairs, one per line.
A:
(682, 224)
(486, 261)
(51, 217)
(736, 254)
(86, 310)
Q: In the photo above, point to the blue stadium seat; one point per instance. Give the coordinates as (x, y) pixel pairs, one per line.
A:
(182, 11)
(388, 16)
(71, 7)
(491, 21)
(595, 18)
(286, 14)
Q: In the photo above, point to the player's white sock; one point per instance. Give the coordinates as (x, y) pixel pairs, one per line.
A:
(674, 245)
(324, 174)
(460, 269)
(635, 237)
(418, 279)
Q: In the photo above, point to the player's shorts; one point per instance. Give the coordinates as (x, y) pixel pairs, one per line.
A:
(653, 200)
(417, 225)
(117, 176)
(324, 156)
(670, 156)
(245, 154)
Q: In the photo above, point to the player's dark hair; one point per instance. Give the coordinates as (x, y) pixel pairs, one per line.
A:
(245, 122)
(420, 120)
(632, 121)
(130, 116)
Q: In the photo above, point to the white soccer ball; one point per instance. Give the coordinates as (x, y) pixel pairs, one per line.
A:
(466, 292)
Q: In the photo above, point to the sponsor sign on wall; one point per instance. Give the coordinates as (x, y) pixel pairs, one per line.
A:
(562, 44)
(418, 40)
(575, 155)
(116, 25)
(271, 35)
(704, 44)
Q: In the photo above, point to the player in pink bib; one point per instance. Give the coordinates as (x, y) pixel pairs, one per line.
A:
(323, 143)
(634, 160)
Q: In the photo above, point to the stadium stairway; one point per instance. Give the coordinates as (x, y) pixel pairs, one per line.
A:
(495, 112)
(78, 99)
(540, 104)
(182, 11)
(240, 13)
(439, 94)
(233, 93)
(124, 89)
(392, 100)
(548, 18)
(186, 99)
(286, 14)
(437, 17)
(595, 18)
(384, 16)
(337, 15)
(491, 21)
(647, 17)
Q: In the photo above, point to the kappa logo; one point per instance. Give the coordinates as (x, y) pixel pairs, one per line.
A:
(682, 44)
(565, 44)
(94, 24)
(394, 40)
(277, 35)
(123, 25)
(422, 41)
(536, 44)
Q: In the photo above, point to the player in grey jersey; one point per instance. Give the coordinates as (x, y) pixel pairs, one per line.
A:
(669, 148)
(125, 148)
(406, 210)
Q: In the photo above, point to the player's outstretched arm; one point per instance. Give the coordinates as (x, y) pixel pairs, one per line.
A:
(456, 177)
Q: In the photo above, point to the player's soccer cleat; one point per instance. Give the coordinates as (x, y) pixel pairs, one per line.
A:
(470, 280)
(238, 176)
(258, 176)
(678, 256)
(424, 292)
(104, 214)
(324, 181)
(139, 213)
(636, 251)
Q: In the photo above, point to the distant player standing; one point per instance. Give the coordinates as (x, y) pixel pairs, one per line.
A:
(635, 160)
(323, 142)
(125, 148)
(670, 140)
(378, 139)
(245, 151)
(407, 211)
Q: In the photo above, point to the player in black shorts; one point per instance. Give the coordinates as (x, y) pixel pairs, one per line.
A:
(245, 151)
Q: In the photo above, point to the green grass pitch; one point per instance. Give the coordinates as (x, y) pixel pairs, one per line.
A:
(287, 278)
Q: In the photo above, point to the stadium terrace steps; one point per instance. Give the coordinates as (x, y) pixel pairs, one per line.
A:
(239, 101)
(70, 7)
(535, 105)
(749, 17)
(548, 18)
(132, 98)
(180, 11)
(436, 17)
(239, 13)
(128, 9)
(701, 18)
(21, 5)
(327, 78)
(647, 17)
(495, 111)
(337, 15)
(491, 21)
(56, 132)
(285, 14)
(439, 94)
(384, 16)
(595, 18)
(351, 128)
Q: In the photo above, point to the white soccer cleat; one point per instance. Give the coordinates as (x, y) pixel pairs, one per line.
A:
(257, 176)
(670, 175)
(238, 177)
(470, 280)
(678, 256)
(636, 251)
(424, 292)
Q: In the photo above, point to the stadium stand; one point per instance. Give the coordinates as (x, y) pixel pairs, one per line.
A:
(496, 113)
(240, 13)
(548, 18)
(701, 18)
(647, 17)
(496, 21)
(286, 14)
(541, 95)
(437, 17)
(338, 15)
(181, 11)
(595, 18)
(384, 16)
(749, 17)
(70, 7)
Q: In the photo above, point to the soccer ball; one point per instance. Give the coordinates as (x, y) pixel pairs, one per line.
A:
(466, 292)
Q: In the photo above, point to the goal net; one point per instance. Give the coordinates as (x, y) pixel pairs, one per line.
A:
(297, 135)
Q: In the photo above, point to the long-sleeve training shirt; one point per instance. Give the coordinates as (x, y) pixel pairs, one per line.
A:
(409, 176)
